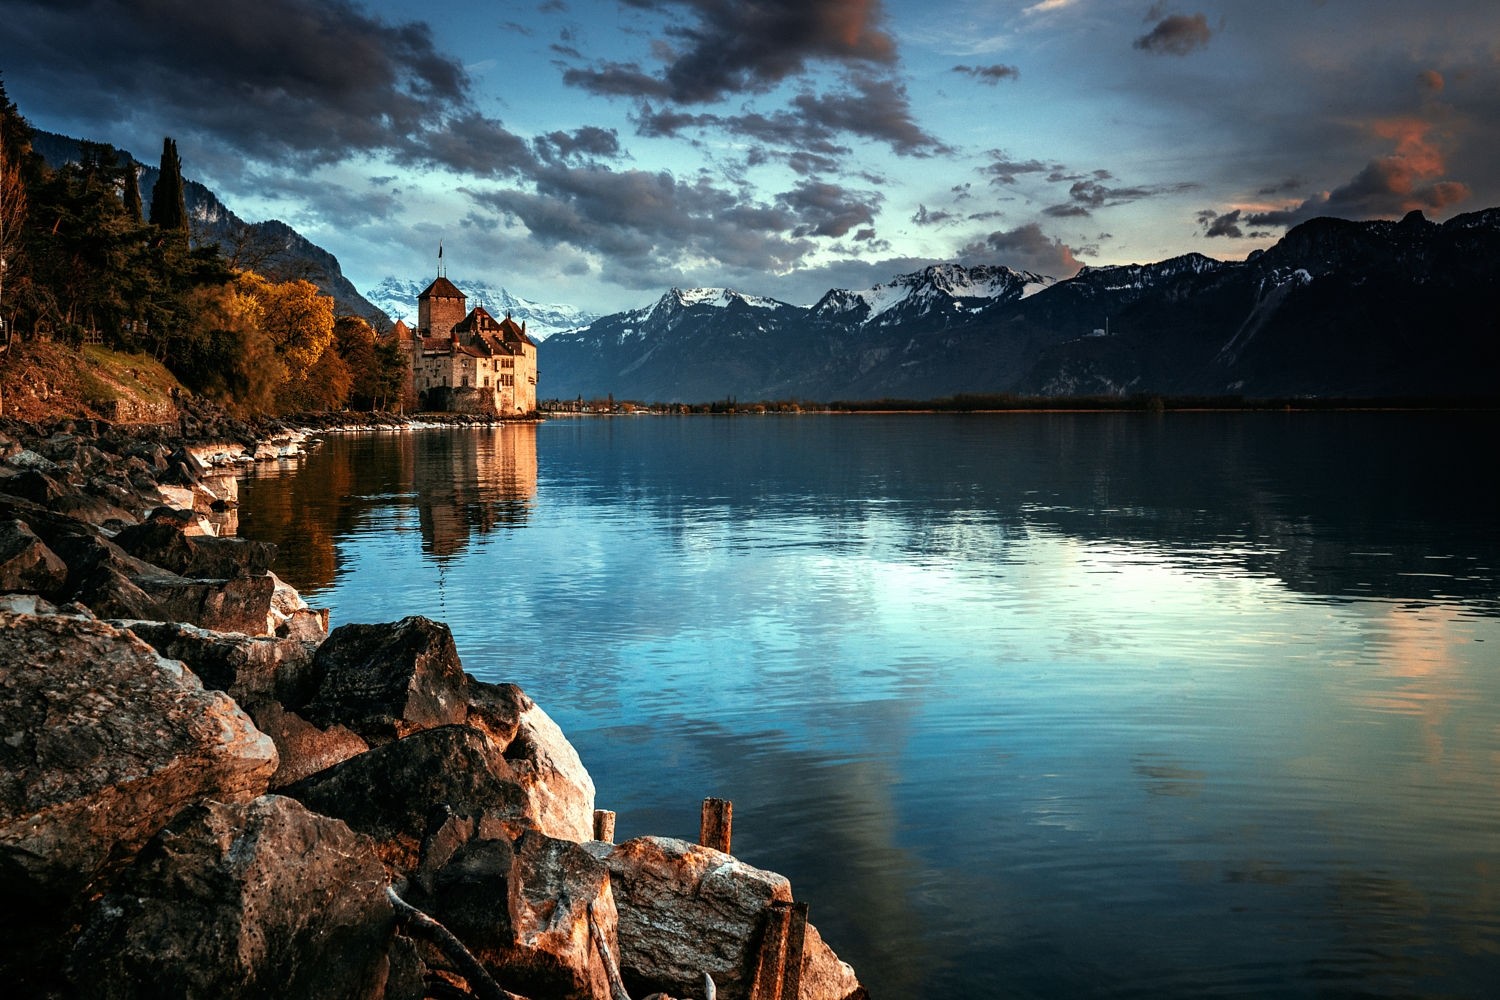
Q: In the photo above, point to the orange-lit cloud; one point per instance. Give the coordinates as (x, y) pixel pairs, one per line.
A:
(1408, 178)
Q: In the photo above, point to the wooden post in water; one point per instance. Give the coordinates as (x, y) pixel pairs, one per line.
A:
(791, 967)
(778, 967)
(715, 826)
(604, 825)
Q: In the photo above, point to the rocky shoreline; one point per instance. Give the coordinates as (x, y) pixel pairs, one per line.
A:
(206, 792)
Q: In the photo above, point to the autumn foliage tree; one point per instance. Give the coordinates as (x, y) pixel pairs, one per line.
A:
(77, 262)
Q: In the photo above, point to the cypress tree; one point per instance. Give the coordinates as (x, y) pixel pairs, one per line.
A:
(168, 207)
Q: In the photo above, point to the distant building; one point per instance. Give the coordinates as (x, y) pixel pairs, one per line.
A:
(467, 361)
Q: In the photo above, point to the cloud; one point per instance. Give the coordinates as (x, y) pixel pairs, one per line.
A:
(1084, 196)
(1025, 248)
(715, 48)
(1177, 35)
(303, 82)
(1226, 224)
(829, 209)
(872, 108)
(1002, 169)
(991, 75)
(875, 108)
(1409, 178)
(650, 227)
(587, 142)
(923, 217)
(615, 79)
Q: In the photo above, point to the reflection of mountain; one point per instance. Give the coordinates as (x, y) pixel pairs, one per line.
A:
(1345, 505)
(460, 481)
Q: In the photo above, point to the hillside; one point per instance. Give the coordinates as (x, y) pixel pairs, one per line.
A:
(271, 247)
(41, 381)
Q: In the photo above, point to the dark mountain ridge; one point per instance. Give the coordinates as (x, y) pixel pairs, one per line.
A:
(1334, 309)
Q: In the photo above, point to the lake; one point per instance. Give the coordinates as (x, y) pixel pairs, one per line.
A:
(1024, 705)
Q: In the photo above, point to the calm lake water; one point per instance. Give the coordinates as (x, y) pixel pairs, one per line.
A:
(1067, 705)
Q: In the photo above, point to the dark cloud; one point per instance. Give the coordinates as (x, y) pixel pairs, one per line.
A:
(1411, 177)
(1003, 170)
(991, 75)
(1177, 35)
(875, 108)
(617, 80)
(718, 47)
(872, 108)
(1215, 224)
(1025, 248)
(1087, 195)
(828, 209)
(589, 142)
(650, 226)
(301, 81)
(925, 218)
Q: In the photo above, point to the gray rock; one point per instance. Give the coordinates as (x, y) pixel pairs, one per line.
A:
(303, 748)
(685, 910)
(401, 792)
(102, 741)
(390, 680)
(559, 790)
(263, 899)
(249, 668)
(26, 564)
(522, 908)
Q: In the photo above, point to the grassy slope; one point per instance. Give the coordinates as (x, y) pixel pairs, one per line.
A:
(44, 381)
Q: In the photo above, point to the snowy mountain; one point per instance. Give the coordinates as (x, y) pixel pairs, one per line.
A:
(398, 297)
(1336, 308)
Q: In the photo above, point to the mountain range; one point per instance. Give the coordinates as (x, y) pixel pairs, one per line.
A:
(1334, 309)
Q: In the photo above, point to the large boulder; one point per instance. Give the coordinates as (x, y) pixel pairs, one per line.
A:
(263, 899)
(248, 667)
(26, 564)
(161, 542)
(559, 790)
(386, 681)
(685, 910)
(104, 741)
(403, 792)
(304, 749)
(522, 907)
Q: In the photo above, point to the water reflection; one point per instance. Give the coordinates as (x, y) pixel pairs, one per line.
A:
(458, 482)
(1056, 705)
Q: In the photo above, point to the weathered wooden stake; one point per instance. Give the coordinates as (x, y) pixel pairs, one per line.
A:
(715, 827)
(796, 936)
(604, 825)
(778, 968)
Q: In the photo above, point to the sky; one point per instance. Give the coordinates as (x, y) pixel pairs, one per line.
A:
(597, 152)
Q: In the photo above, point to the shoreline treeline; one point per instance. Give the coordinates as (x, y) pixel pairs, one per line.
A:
(81, 263)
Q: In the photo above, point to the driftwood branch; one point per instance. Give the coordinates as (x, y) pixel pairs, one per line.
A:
(611, 970)
(419, 924)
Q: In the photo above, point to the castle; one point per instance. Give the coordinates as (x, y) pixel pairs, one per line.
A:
(466, 362)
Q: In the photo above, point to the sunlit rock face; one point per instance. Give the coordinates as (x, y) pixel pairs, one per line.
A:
(523, 907)
(104, 741)
(686, 910)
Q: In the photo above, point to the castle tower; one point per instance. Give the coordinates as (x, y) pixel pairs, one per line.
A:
(441, 305)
